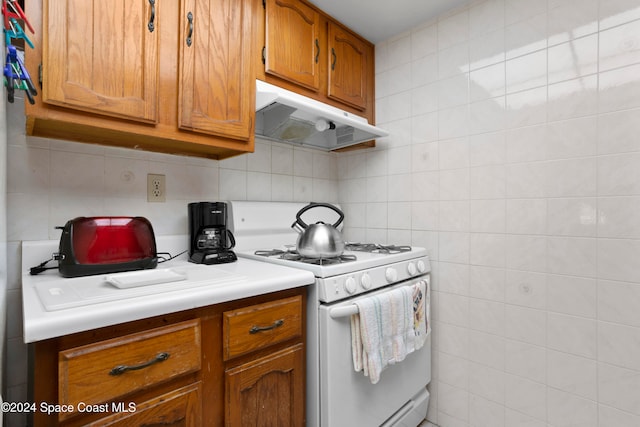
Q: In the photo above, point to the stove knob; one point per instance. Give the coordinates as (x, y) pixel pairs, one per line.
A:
(391, 275)
(350, 285)
(411, 269)
(421, 266)
(365, 281)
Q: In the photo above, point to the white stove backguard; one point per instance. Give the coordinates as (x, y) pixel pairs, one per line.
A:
(267, 225)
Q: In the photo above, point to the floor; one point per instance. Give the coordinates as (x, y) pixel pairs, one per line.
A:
(427, 424)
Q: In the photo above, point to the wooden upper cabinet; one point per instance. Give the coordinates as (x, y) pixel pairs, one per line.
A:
(101, 57)
(348, 67)
(217, 78)
(292, 42)
(311, 53)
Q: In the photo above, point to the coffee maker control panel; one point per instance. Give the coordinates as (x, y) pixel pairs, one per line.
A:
(219, 257)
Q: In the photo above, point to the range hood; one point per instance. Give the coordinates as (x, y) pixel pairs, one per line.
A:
(285, 116)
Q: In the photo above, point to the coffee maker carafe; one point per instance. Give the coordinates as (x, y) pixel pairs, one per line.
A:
(209, 240)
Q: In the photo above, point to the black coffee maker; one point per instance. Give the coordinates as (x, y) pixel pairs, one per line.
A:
(209, 240)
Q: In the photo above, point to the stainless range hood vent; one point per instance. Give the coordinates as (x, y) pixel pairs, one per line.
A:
(279, 124)
(345, 135)
(285, 116)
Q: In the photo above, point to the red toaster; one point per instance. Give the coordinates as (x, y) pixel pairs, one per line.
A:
(99, 245)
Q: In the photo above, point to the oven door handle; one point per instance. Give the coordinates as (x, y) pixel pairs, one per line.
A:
(350, 309)
(345, 311)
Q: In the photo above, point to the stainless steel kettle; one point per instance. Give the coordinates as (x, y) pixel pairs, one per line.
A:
(319, 240)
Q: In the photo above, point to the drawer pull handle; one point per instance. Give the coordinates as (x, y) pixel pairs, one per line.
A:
(152, 18)
(119, 370)
(190, 19)
(276, 324)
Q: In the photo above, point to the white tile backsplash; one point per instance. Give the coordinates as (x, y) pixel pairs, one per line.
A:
(526, 360)
(519, 10)
(526, 396)
(619, 345)
(617, 132)
(616, 12)
(526, 35)
(525, 188)
(573, 59)
(487, 82)
(572, 374)
(620, 46)
(52, 181)
(453, 29)
(485, 412)
(572, 295)
(619, 89)
(513, 158)
(611, 417)
(618, 388)
(567, 409)
(486, 16)
(526, 325)
(570, 19)
(487, 49)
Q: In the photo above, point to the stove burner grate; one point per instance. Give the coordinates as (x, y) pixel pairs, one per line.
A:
(376, 248)
(319, 261)
(270, 252)
(292, 255)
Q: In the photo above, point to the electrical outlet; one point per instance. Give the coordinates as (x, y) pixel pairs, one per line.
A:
(156, 188)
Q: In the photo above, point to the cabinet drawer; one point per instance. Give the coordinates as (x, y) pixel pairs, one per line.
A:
(106, 370)
(181, 407)
(259, 326)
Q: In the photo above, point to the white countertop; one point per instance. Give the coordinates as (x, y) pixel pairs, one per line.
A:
(98, 304)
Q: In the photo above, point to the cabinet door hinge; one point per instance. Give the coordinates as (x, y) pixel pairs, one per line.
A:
(40, 74)
(264, 54)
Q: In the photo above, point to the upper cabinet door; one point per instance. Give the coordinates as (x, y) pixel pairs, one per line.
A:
(102, 57)
(217, 78)
(292, 42)
(348, 66)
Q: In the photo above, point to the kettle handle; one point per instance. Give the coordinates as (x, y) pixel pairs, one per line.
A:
(313, 205)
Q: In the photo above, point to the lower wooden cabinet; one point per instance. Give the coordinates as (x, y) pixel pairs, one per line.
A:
(126, 364)
(268, 391)
(264, 389)
(181, 407)
(235, 364)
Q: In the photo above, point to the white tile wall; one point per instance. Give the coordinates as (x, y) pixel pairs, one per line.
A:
(52, 181)
(514, 157)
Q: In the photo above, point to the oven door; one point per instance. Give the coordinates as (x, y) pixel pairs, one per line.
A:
(347, 397)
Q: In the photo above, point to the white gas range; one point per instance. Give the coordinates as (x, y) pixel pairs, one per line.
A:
(336, 394)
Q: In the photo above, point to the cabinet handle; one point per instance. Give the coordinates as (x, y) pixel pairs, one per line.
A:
(190, 19)
(317, 50)
(152, 18)
(335, 58)
(121, 369)
(276, 324)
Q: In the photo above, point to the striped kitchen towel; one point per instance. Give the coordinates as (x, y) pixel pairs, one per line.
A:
(380, 329)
